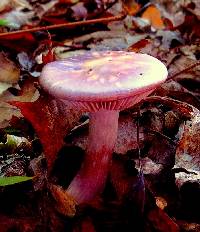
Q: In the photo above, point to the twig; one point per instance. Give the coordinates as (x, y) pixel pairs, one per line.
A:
(154, 132)
(138, 138)
(62, 25)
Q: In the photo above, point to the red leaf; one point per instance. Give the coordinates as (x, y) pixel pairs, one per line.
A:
(190, 26)
(136, 47)
(50, 56)
(131, 7)
(168, 24)
(26, 35)
(19, 42)
(51, 120)
(54, 20)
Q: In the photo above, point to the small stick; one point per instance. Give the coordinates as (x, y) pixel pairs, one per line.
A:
(62, 25)
(138, 137)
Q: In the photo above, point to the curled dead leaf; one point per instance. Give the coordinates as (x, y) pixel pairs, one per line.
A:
(51, 120)
(66, 204)
(187, 152)
(153, 14)
(9, 73)
(161, 202)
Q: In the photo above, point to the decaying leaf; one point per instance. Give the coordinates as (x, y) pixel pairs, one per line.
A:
(167, 38)
(165, 153)
(131, 7)
(9, 73)
(79, 11)
(5, 4)
(65, 204)
(189, 227)
(136, 47)
(51, 120)
(17, 18)
(153, 14)
(161, 202)
(187, 153)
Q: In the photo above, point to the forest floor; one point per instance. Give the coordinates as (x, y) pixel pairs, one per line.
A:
(154, 178)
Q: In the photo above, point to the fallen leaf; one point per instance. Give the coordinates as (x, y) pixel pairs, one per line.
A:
(9, 73)
(136, 47)
(65, 204)
(6, 113)
(5, 5)
(167, 38)
(189, 28)
(161, 202)
(153, 14)
(187, 153)
(79, 11)
(22, 42)
(130, 6)
(17, 18)
(148, 166)
(51, 120)
(4, 181)
(36, 167)
(25, 61)
(188, 227)
(120, 179)
(177, 91)
(50, 55)
(168, 24)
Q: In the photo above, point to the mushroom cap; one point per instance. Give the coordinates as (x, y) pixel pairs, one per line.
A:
(103, 80)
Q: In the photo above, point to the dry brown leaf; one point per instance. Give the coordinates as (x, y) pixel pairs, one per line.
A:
(161, 202)
(187, 152)
(66, 205)
(188, 227)
(5, 5)
(9, 73)
(130, 6)
(6, 113)
(51, 119)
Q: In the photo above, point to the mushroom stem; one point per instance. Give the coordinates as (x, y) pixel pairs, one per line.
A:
(91, 178)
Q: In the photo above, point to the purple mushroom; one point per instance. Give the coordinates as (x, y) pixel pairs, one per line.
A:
(102, 83)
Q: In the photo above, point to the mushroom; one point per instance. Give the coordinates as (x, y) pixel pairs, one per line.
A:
(102, 83)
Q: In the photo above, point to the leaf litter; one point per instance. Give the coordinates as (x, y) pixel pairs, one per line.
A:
(168, 166)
